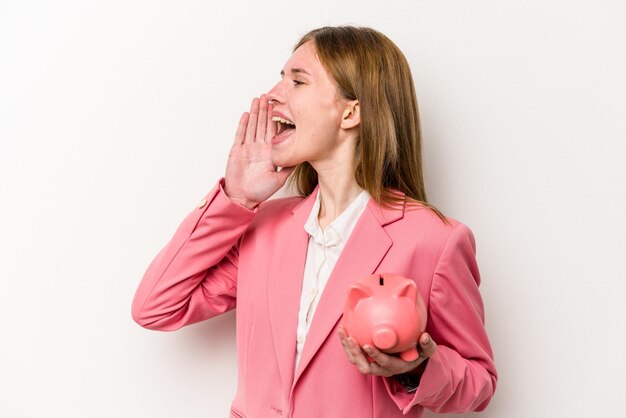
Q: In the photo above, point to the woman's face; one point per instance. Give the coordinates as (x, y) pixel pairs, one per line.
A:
(307, 97)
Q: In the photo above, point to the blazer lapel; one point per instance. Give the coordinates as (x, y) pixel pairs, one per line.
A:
(285, 284)
(367, 246)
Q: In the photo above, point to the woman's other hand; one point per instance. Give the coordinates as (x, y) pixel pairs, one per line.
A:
(384, 364)
(251, 177)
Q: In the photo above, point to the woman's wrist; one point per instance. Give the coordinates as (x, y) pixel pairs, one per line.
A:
(247, 203)
(242, 201)
(410, 380)
(419, 370)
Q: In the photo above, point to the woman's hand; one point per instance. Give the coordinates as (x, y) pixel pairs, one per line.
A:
(251, 177)
(384, 364)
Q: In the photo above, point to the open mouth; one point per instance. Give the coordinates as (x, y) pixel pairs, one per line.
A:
(283, 125)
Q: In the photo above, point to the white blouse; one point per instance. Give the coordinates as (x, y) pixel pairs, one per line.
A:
(324, 248)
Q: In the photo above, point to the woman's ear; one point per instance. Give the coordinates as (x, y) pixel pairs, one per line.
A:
(351, 115)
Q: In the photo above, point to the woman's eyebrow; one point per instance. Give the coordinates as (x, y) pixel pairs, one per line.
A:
(295, 70)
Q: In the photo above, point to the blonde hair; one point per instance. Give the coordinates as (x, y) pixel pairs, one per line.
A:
(366, 65)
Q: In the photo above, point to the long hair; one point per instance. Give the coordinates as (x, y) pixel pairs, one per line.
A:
(366, 65)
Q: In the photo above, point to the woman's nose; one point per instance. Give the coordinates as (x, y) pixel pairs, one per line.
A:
(275, 95)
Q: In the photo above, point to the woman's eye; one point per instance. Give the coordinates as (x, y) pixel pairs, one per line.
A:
(296, 82)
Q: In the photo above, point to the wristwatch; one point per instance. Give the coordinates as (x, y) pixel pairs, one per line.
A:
(411, 381)
(408, 381)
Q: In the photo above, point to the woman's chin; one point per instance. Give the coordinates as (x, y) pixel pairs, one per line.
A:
(280, 158)
(283, 162)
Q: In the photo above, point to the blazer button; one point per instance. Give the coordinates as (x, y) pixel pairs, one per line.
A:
(202, 203)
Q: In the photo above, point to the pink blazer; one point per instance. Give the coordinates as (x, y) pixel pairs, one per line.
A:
(224, 256)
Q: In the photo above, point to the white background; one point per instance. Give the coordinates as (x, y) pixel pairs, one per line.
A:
(116, 118)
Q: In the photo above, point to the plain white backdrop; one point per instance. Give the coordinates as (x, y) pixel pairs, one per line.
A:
(116, 117)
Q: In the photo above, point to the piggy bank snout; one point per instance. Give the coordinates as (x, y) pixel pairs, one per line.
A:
(384, 337)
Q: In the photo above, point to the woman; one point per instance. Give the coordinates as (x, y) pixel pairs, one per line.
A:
(343, 123)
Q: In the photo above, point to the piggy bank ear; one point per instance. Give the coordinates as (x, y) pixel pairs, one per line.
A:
(407, 289)
(357, 292)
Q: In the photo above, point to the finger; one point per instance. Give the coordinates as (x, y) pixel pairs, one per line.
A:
(427, 345)
(389, 365)
(254, 115)
(341, 332)
(384, 360)
(262, 122)
(241, 129)
(272, 127)
(360, 361)
(344, 343)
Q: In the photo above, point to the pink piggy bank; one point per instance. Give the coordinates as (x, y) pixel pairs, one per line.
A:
(387, 311)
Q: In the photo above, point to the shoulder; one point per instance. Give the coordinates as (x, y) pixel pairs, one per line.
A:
(420, 227)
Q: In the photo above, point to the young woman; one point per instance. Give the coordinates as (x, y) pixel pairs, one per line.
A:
(343, 125)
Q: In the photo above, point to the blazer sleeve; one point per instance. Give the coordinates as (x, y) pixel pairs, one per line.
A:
(194, 277)
(461, 376)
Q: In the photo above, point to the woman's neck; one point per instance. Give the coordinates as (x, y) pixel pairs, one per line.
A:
(338, 187)
(336, 194)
